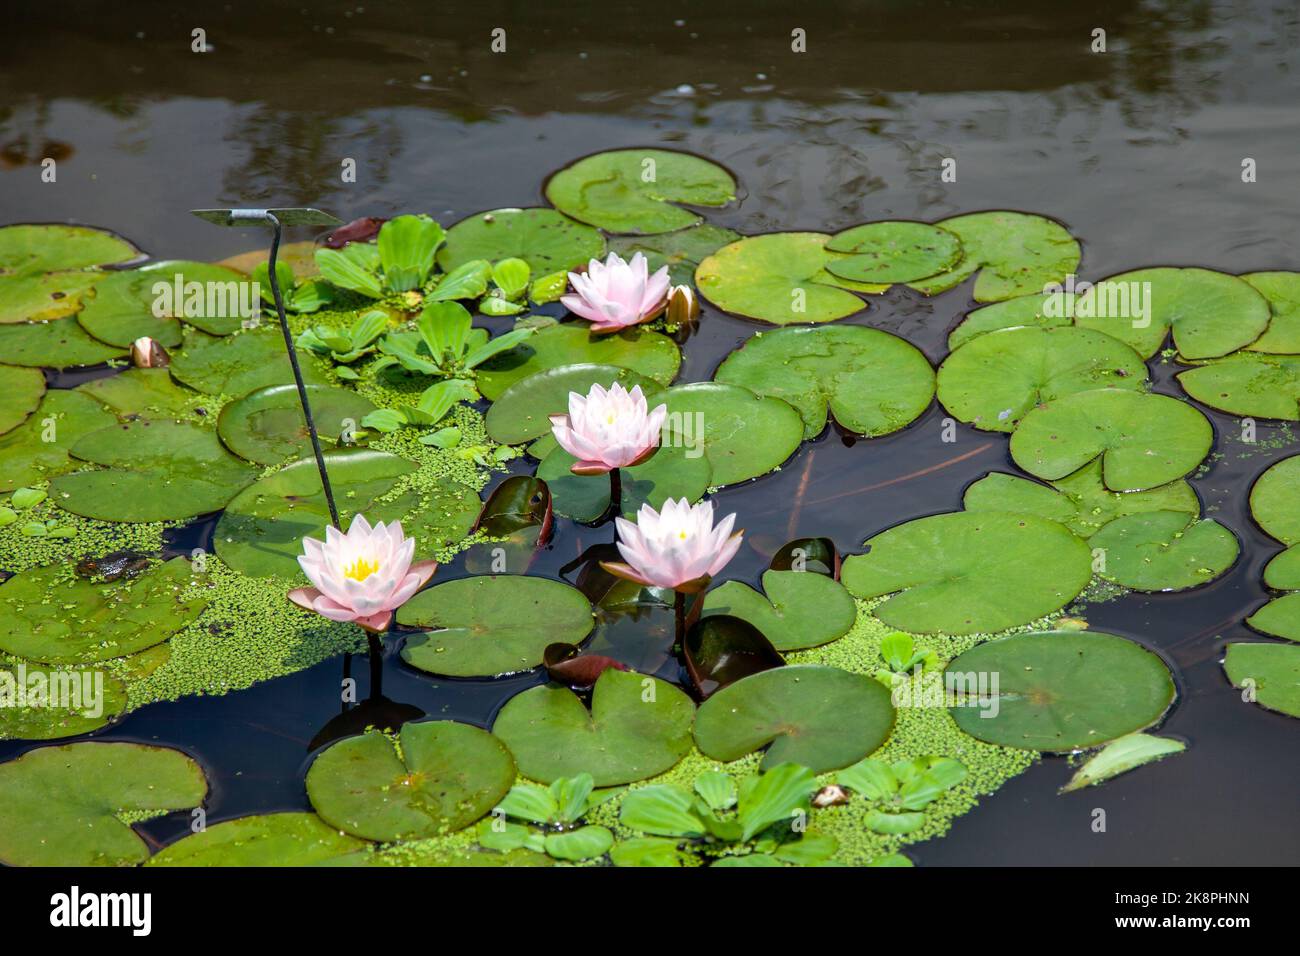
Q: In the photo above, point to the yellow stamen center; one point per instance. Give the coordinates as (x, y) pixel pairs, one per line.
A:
(682, 535)
(361, 569)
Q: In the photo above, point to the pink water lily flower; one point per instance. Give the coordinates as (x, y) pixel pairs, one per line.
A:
(362, 576)
(608, 428)
(615, 294)
(678, 547)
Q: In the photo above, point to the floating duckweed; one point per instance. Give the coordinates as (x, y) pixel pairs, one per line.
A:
(249, 633)
(20, 552)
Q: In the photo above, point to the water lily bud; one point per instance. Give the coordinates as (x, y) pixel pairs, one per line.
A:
(830, 796)
(146, 353)
(683, 307)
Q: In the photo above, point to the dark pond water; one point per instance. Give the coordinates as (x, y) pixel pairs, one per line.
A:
(1137, 150)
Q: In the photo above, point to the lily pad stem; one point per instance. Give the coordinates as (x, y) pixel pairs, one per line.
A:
(679, 609)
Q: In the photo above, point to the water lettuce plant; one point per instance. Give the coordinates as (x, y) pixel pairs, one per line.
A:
(757, 821)
(549, 819)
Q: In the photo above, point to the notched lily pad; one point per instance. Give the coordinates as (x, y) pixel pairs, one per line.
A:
(491, 624)
(968, 572)
(1209, 313)
(1270, 671)
(796, 609)
(22, 389)
(444, 777)
(1248, 383)
(1014, 253)
(1058, 690)
(271, 839)
(154, 471)
(261, 530)
(36, 704)
(743, 435)
(995, 380)
(651, 355)
(780, 278)
(547, 240)
(60, 804)
(129, 304)
(58, 343)
(1143, 440)
(1164, 551)
(50, 615)
(1079, 501)
(638, 726)
(267, 426)
(1282, 290)
(872, 382)
(635, 190)
(893, 251)
(237, 364)
(1041, 310)
(822, 718)
(38, 448)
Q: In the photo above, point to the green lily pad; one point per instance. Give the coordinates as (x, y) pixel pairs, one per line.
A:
(522, 412)
(58, 343)
(1275, 500)
(149, 393)
(634, 190)
(155, 471)
(32, 249)
(444, 777)
(893, 251)
(237, 364)
(271, 839)
(638, 726)
(1209, 313)
(492, 624)
(1280, 617)
(1079, 501)
(52, 616)
(547, 240)
(61, 804)
(796, 609)
(1283, 571)
(267, 426)
(993, 381)
(1026, 310)
(1274, 670)
(39, 298)
(744, 435)
(1164, 551)
(1120, 756)
(873, 383)
(261, 530)
(780, 278)
(1282, 290)
(121, 309)
(65, 703)
(969, 571)
(23, 389)
(1015, 254)
(822, 718)
(1059, 690)
(64, 417)
(1143, 440)
(1248, 383)
(652, 355)
(680, 251)
(675, 471)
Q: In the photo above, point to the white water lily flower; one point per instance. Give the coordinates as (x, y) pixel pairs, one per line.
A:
(678, 547)
(615, 294)
(362, 576)
(608, 428)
